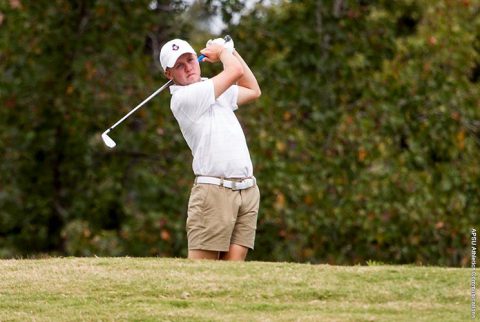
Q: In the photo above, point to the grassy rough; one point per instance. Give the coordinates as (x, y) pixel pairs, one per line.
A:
(157, 289)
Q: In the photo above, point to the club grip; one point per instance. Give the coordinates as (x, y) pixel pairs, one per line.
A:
(227, 38)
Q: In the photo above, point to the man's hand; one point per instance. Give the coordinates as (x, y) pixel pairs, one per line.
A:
(212, 52)
(232, 67)
(221, 41)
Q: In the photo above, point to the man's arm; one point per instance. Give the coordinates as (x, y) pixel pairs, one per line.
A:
(248, 88)
(232, 67)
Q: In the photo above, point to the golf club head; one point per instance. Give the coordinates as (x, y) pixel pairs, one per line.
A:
(108, 140)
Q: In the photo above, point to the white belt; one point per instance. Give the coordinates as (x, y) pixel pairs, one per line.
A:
(234, 185)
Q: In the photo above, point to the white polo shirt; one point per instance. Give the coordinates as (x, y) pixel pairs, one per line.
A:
(211, 129)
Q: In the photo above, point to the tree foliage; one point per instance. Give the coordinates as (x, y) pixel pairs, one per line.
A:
(364, 141)
(70, 68)
(367, 138)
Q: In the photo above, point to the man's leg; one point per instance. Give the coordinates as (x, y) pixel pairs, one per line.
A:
(235, 253)
(245, 226)
(202, 254)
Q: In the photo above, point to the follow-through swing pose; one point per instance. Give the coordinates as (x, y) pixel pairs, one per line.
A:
(224, 200)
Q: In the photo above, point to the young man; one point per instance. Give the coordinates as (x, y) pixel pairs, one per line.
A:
(224, 200)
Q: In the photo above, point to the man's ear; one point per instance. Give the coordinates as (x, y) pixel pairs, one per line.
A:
(168, 74)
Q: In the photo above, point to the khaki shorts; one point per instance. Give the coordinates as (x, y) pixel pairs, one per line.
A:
(219, 217)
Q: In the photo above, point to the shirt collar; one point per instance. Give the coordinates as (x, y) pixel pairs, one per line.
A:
(174, 88)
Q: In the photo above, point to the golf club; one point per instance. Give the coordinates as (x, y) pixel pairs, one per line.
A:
(108, 140)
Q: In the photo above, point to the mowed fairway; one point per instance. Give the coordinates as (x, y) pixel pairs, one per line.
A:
(157, 289)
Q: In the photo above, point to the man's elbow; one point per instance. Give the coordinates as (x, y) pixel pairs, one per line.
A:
(256, 93)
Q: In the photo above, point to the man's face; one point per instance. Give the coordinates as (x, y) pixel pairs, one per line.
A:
(186, 70)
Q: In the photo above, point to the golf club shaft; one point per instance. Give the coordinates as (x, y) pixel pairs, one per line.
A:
(148, 98)
(142, 103)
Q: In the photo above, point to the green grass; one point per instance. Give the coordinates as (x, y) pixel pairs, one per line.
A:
(157, 289)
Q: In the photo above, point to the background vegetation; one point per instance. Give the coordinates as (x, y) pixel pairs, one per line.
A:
(166, 289)
(365, 142)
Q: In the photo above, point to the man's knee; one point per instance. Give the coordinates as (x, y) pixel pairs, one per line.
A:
(235, 253)
(202, 254)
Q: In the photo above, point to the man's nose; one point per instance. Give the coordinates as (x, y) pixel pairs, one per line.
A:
(188, 67)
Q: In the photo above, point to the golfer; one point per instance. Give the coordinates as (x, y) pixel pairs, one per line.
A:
(224, 199)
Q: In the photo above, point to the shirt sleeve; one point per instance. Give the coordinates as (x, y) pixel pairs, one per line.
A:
(194, 100)
(232, 93)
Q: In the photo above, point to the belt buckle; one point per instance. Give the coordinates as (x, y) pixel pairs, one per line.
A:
(234, 185)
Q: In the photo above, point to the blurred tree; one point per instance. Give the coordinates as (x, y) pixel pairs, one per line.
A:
(366, 137)
(69, 69)
(365, 141)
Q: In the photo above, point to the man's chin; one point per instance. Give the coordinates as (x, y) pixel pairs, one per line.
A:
(193, 79)
(190, 80)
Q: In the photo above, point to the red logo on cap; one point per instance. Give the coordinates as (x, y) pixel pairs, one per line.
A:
(174, 47)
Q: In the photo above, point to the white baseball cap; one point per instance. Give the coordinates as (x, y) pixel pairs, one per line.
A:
(172, 50)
